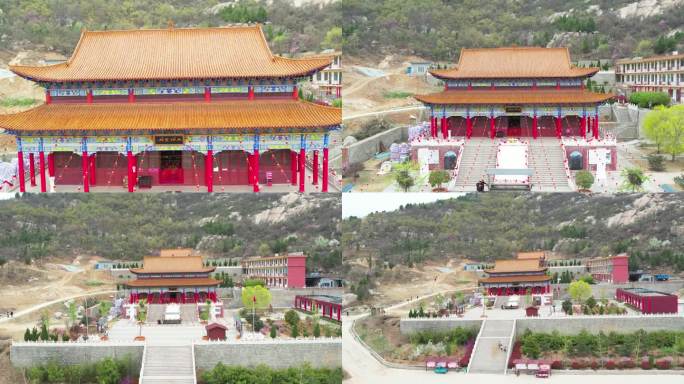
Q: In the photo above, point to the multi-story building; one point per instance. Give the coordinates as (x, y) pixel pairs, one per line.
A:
(329, 80)
(655, 73)
(287, 271)
(613, 269)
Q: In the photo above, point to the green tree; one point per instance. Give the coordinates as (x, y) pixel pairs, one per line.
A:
(291, 317)
(567, 307)
(656, 125)
(531, 348)
(584, 179)
(44, 335)
(633, 179)
(333, 39)
(257, 297)
(674, 141)
(438, 177)
(402, 175)
(294, 332)
(316, 330)
(579, 291)
(107, 372)
(273, 332)
(27, 335)
(591, 302)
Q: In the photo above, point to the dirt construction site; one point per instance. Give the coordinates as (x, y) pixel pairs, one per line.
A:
(30, 290)
(373, 88)
(428, 278)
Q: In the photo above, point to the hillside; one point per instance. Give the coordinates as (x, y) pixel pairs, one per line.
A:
(494, 226)
(126, 227)
(438, 29)
(291, 26)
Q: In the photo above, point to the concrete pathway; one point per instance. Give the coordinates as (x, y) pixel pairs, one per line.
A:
(488, 356)
(168, 365)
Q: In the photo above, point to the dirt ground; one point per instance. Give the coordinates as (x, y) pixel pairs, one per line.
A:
(367, 94)
(25, 286)
(402, 283)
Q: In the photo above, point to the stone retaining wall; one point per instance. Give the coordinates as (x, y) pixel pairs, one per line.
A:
(594, 324)
(275, 354)
(31, 354)
(368, 147)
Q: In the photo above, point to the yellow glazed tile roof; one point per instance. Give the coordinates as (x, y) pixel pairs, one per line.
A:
(178, 264)
(172, 53)
(514, 62)
(153, 116)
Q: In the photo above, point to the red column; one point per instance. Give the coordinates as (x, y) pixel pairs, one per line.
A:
(20, 171)
(315, 168)
(469, 127)
(559, 126)
(131, 96)
(492, 127)
(92, 169)
(255, 161)
(89, 96)
(32, 170)
(535, 127)
(293, 167)
(444, 127)
(41, 169)
(324, 187)
(302, 169)
(209, 170)
(589, 124)
(131, 174)
(207, 94)
(250, 93)
(295, 93)
(596, 127)
(84, 170)
(51, 164)
(48, 97)
(583, 126)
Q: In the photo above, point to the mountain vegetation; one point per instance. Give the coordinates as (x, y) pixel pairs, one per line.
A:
(125, 227)
(27, 24)
(488, 227)
(438, 29)
(433, 29)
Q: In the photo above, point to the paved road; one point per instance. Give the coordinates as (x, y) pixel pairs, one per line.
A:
(383, 112)
(363, 368)
(56, 301)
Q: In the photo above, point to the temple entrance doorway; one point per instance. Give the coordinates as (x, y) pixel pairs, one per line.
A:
(171, 167)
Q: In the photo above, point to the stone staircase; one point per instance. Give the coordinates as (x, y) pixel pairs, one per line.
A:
(168, 365)
(546, 160)
(155, 312)
(479, 153)
(487, 356)
(189, 313)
